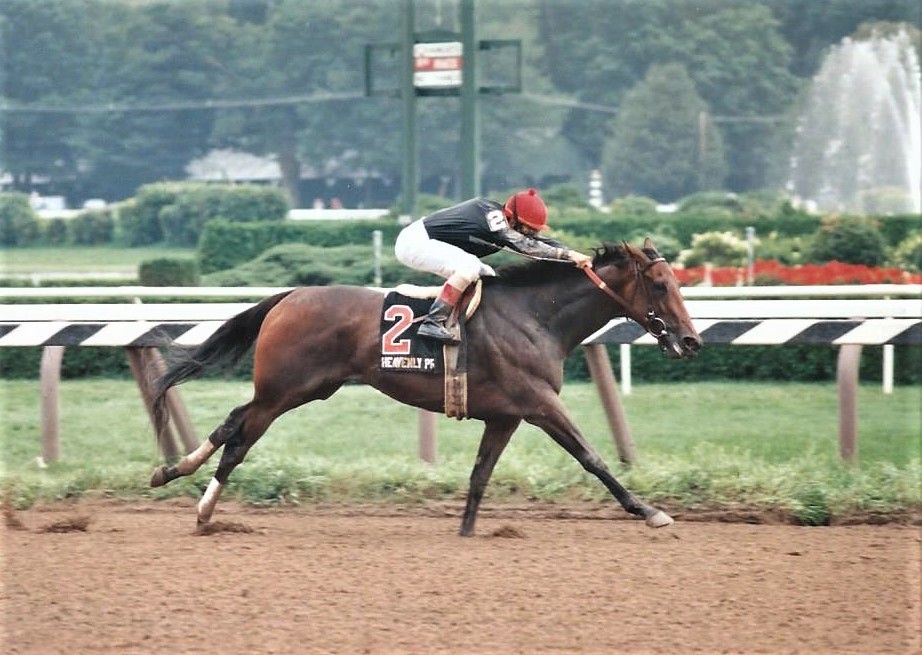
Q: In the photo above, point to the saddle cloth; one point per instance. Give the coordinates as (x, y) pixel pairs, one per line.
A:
(402, 350)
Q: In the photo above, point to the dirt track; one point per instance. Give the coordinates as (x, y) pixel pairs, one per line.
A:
(391, 580)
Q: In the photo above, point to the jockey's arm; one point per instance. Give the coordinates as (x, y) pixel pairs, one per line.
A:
(533, 246)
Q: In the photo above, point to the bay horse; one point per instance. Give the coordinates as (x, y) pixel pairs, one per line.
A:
(311, 340)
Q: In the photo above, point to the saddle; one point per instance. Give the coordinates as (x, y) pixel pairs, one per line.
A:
(403, 350)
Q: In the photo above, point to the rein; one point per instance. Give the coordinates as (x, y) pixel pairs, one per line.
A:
(650, 322)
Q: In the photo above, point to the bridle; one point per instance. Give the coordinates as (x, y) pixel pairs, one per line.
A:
(652, 323)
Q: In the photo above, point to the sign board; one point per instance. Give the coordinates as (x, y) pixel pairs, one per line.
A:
(437, 65)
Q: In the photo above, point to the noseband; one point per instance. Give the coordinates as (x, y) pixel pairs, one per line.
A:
(652, 323)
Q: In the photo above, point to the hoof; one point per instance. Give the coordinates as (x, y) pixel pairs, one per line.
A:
(659, 519)
(159, 478)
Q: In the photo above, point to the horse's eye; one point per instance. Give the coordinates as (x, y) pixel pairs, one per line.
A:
(659, 288)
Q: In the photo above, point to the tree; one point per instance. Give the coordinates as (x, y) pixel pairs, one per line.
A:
(314, 50)
(732, 49)
(740, 64)
(44, 57)
(657, 149)
(811, 27)
(160, 54)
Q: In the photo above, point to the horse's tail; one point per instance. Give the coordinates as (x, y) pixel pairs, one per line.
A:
(222, 349)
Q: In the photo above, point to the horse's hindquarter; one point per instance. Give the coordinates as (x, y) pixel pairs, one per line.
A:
(320, 331)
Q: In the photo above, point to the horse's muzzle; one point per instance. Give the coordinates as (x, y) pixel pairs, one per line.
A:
(684, 347)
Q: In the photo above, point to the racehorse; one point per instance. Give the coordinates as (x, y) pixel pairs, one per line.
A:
(311, 340)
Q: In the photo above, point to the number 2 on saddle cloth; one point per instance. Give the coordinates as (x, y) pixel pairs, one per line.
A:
(401, 348)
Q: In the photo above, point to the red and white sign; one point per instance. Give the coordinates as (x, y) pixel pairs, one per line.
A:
(437, 65)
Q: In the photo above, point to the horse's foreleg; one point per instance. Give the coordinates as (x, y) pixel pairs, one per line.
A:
(194, 460)
(496, 435)
(561, 429)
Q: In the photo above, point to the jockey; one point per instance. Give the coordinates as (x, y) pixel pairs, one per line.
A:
(450, 242)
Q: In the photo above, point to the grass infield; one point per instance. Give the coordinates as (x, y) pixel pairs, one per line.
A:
(701, 445)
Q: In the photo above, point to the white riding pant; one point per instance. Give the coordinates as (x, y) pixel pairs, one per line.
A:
(415, 249)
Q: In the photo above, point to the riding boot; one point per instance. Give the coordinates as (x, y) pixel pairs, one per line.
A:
(433, 326)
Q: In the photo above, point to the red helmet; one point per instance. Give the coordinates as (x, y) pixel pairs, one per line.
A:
(528, 208)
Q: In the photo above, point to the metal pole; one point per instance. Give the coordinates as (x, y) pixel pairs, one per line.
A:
(750, 255)
(470, 111)
(376, 237)
(626, 385)
(887, 373)
(408, 93)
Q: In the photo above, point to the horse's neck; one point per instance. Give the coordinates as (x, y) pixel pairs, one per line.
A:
(568, 311)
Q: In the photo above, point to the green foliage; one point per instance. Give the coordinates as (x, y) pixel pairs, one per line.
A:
(740, 64)
(849, 239)
(656, 149)
(92, 228)
(717, 248)
(897, 229)
(176, 212)
(801, 363)
(768, 446)
(599, 55)
(810, 505)
(744, 205)
(83, 362)
(56, 232)
(739, 55)
(427, 203)
(139, 217)
(631, 205)
(196, 204)
(19, 226)
(883, 201)
(168, 272)
(790, 251)
(298, 264)
(908, 255)
(225, 245)
(566, 197)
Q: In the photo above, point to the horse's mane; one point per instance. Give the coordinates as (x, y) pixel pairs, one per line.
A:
(533, 273)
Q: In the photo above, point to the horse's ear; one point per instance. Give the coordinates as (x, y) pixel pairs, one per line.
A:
(648, 244)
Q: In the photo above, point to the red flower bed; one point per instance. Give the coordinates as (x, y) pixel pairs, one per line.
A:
(770, 272)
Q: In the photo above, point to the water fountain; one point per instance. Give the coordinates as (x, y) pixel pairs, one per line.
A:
(859, 136)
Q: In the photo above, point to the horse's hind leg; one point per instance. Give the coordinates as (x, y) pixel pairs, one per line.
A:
(247, 430)
(496, 435)
(194, 460)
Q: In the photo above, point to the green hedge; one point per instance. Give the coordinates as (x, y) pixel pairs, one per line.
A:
(169, 272)
(684, 227)
(175, 212)
(794, 363)
(19, 225)
(224, 244)
(791, 363)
